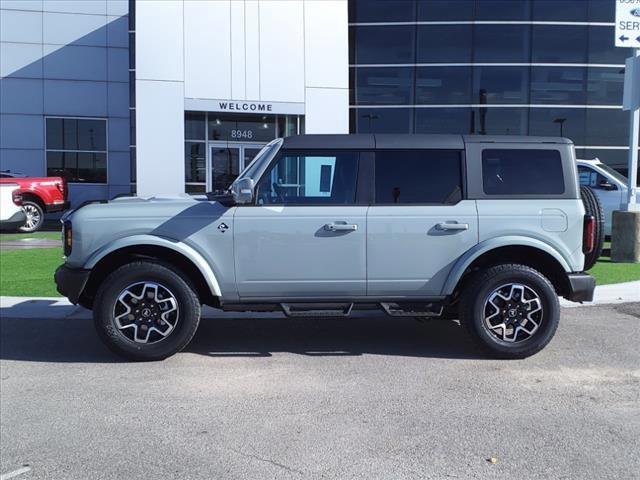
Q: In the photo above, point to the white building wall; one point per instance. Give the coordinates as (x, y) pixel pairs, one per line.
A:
(293, 53)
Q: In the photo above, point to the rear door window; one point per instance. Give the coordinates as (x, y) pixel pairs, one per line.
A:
(522, 172)
(418, 177)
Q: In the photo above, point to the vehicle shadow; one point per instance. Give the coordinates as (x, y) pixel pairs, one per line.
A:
(363, 335)
(75, 340)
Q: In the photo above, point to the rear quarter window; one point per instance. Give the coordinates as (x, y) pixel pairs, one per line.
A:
(522, 172)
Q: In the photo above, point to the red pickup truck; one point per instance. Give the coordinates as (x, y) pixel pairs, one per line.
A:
(40, 195)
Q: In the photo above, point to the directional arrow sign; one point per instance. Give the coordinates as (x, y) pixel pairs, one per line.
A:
(627, 23)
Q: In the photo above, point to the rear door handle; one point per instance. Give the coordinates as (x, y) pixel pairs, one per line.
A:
(341, 227)
(452, 226)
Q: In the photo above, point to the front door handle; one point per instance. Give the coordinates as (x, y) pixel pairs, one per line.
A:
(452, 226)
(341, 227)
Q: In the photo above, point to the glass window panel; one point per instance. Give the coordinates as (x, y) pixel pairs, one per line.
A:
(601, 11)
(385, 44)
(384, 86)
(605, 86)
(225, 167)
(195, 189)
(382, 10)
(195, 168)
(194, 126)
(503, 10)
(601, 48)
(501, 121)
(558, 122)
(242, 128)
(384, 120)
(92, 135)
(54, 133)
(422, 177)
(81, 167)
(560, 10)
(442, 85)
(504, 169)
(445, 10)
(496, 85)
(444, 120)
(92, 167)
(70, 134)
(502, 43)
(564, 85)
(607, 127)
(314, 178)
(444, 44)
(559, 44)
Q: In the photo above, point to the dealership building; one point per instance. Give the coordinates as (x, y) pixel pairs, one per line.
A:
(173, 96)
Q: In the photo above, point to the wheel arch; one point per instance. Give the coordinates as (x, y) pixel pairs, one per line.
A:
(529, 252)
(182, 257)
(33, 196)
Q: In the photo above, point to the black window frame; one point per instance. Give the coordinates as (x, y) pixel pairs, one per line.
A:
(50, 149)
(361, 194)
(463, 178)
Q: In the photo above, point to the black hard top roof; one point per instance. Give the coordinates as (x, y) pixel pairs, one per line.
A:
(405, 141)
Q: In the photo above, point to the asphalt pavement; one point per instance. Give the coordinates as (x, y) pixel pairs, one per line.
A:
(374, 398)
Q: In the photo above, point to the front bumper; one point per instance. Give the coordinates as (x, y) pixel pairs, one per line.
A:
(581, 287)
(14, 222)
(57, 207)
(70, 282)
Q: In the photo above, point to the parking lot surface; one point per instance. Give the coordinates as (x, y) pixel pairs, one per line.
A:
(375, 398)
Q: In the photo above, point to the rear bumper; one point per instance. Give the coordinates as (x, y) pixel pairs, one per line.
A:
(14, 222)
(70, 282)
(581, 287)
(57, 207)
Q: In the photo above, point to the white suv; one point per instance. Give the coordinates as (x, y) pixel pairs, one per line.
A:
(609, 186)
(11, 214)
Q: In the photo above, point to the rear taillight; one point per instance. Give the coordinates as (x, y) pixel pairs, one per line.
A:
(62, 187)
(17, 199)
(588, 234)
(67, 238)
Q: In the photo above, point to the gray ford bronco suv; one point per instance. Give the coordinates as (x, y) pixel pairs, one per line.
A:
(487, 230)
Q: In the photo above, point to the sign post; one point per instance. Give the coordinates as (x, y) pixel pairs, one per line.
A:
(625, 233)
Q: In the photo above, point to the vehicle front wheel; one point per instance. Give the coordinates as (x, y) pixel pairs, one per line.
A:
(511, 311)
(146, 311)
(35, 216)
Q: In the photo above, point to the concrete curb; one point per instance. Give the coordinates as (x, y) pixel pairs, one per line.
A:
(60, 308)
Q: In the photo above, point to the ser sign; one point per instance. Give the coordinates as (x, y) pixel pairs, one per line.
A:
(627, 31)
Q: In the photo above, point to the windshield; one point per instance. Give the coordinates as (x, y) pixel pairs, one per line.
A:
(614, 173)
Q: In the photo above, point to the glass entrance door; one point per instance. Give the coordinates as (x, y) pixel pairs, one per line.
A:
(226, 161)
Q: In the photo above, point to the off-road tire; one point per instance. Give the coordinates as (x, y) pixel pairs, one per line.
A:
(593, 208)
(472, 309)
(146, 271)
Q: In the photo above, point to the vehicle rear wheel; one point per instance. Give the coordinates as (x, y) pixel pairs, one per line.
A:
(146, 311)
(35, 216)
(511, 311)
(593, 208)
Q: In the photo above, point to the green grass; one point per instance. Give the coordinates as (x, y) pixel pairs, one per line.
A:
(29, 272)
(607, 272)
(23, 236)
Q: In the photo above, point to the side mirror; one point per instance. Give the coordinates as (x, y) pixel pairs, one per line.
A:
(607, 186)
(243, 191)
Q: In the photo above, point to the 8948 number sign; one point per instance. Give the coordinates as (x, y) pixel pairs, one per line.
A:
(248, 134)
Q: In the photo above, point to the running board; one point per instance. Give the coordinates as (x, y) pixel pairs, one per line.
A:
(316, 309)
(403, 309)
